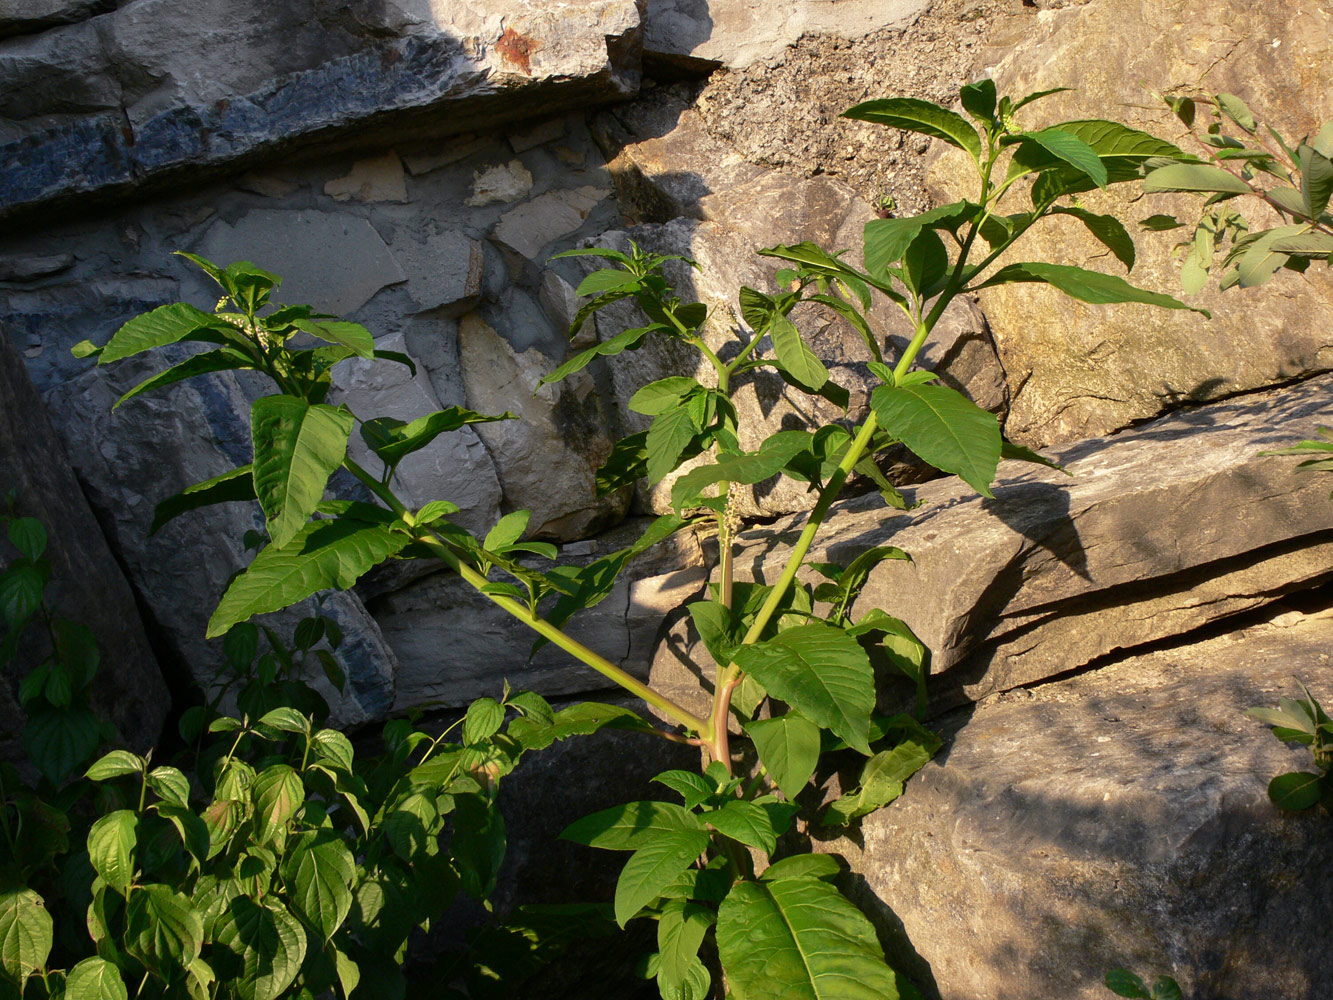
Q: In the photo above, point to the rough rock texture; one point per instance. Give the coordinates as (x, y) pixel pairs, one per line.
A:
(87, 586)
(443, 662)
(1078, 370)
(129, 460)
(1159, 530)
(1118, 819)
(104, 105)
(21, 17)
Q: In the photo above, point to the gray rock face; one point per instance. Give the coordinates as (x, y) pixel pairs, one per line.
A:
(454, 645)
(21, 17)
(86, 584)
(1159, 530)
(1118, 819)
(104, 106)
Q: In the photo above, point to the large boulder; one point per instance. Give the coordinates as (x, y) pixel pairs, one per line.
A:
(1116, 819)
(1078, 370)
(87, 586)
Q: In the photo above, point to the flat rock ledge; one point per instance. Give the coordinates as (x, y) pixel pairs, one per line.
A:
(1117, 819)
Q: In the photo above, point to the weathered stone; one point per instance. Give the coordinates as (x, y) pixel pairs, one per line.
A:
(1078, 370)
(1117, 819)
(528, 228)
(151, 448)
(87, 586)
(546, 459)
(15, 267)
(455, 466)
(380, 178)
(1159, 530)
(332, 262)
(443, 269)
(505, 182)
(269, 184)
(446, 152)
(104, 106)
(454, 645)
(21, 17)
(548, 131)
(561, 305)
(736, 33)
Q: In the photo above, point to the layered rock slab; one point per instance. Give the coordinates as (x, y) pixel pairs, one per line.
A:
(1118, 819)
(1156, 531)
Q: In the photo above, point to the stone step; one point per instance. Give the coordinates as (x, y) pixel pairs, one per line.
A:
(1117, 819)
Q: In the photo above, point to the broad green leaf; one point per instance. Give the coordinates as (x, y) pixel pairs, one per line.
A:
(194, 832)
(631, 826)
(25, 934)
(577, 720)
(607, 280)
(1022, 453)
(915, 115)
(1086, 286)
(508, 530)
(1121, 150)
(163, 325)
(95, 979)
(1166, 988)
(164, 930)
(680, 932)
(115, 764)
(745, 822)
(978, 100)
(1305, 244)
(483, 720)
(753, 467)
(653, 867)
(925, 264)
(592, 252)
(393, 440)
(285, 719)
(28, 535)
(278, 794)
(1255, 257)
(1073, 150)
(235, 485)
(819, 261)
(222, 360)
(821, 672)
(944, 428)
(1316, 180)
(297, 446)
(350, 335)
(59, 740)
(693, 787)
(788, 747)
(20, 593)
(1194, 177)
(323, 555)
(803, 865)
(268, 945)
(799, 939)
(882, 780)
(334, 747)
(627, 341)
(170, 785)
(111, 844)
(795, 355)
(478, 844)
(1235, 109)
(1107, 229)
(663, 395)
(668, 436)
(849, 312)
(349, 973)
(319, 871)
(886, 240)
(1124, 983)
(1295, 791)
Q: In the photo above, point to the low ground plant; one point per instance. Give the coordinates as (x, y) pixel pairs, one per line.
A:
(791, 672)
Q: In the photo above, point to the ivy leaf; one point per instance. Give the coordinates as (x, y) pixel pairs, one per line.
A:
(319, 872)
(235, 485)
(914, 115)
(799, 939)
(297, 446)
(944, 428)
(631, 826)
(788, 746)
(821, 672)
(25, 934)
(653, 867)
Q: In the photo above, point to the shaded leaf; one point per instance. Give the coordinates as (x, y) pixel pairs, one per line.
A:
(297, 446)
(235, 485)
(915, 115)
(653, 867)
(788, 747)
(631, 826)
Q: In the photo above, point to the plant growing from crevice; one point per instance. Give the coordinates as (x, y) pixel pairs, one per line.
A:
(791, 669)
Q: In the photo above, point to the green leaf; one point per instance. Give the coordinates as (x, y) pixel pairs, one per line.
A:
(662, 396)
(925, 264)
(170, 785)
(803, 865)
(1194, 177)
(478, 844)
(111, 844)
(28, 535)
(1295, 791)
(60, 740)
(1124, 983)
(795, 355)
(1086, 286)
(1022, 453)
(592, 252)
(115, 764)
(483, 720)
(95, 979)
(393, 440)
(285, 719)
(788, 747)
(323, 555)
(944, 428)
(1073, 150)
(20, 593)
(915, 115)
(628, 340)
(320, 871)
(752, 467)
(608, 280)
(653, 867)
(162, 326)
(694, 788)
(631, 826)
(222, 360)
(799, 939)
(745, 822)
(886, 240)
(821, 672)
(680, 932)
(268, 946)
(882, 781)
(235, 485)
(668, 436)
(508, 530)
(577, 720)
(1166, 988)
(1235, 109)
(164, 930)
(25, 934)
(1256, 258)
(1107, 230)
(278, 794)
(350, 335)
(978, 100)
(1316, 180)
(297, 447)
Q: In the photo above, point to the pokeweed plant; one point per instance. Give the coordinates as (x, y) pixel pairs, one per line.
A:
(791, 669)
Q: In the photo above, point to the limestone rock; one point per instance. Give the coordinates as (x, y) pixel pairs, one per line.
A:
(548, 457)
(446, 151)
(87, 586)
(104, 106)
(1159, 530)
(21, 17)
(528, 228)
(535, 135)
(505, 182)
(332, 262)
(455, 466)
(380, 178)
(1078, 370)
(443, 269)
(454, 645)
(1117, 819)
(14, 267)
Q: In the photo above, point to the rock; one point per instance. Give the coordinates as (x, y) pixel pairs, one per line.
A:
(505, 182)
(270, 185)
(548, 131)
(448, 151)
(103, 106)
(87, 586)
(21, 17)
(454, 645)
(1078, 370)
(377, 179)
(547, 458)
(1160, 530)
(528, 228)
(332, 262)
(455, 466)
(28, 267)
(561, 305)
(151, 448)
(736, 33)
(1117, 819)
(443, 269)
